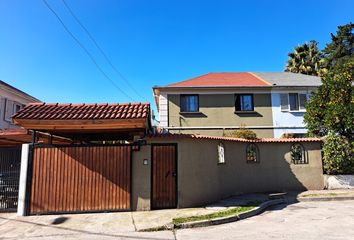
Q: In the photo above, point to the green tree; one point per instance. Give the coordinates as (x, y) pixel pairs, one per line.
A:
(341, 48)
(338, 154)
(330, 111)
(331, 108)
(306, 59)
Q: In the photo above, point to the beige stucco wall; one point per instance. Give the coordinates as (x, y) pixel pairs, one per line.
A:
(219, 110)
(141, 180)
(202, 180)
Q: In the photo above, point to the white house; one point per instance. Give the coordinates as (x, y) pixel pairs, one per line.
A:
(11, 101)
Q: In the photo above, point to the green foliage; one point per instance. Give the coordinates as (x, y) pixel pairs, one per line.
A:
(341, 48)
(296, 152)
(242, 133)
(330, 111)
(227, 213)
(338, 154)
(305, 59)
(331, 108)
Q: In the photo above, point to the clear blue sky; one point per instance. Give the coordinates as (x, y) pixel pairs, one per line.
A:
(152, 42)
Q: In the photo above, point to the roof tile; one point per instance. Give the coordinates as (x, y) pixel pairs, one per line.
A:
(47, 111)
(223, 79)
(259, 140)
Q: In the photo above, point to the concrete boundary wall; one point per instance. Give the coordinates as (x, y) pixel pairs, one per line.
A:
(202, 180)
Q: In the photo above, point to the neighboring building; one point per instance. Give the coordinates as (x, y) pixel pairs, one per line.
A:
(11, 101)
(270, 104)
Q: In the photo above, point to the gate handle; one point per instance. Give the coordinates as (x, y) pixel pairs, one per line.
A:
(174, 174)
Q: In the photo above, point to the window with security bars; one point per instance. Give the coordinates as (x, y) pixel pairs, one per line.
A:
(252, 153)
(298, 155)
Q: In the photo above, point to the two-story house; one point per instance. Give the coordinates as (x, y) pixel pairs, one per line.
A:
(269, 103)
(11, 101)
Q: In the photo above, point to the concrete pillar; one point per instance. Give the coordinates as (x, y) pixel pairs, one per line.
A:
(21, 204)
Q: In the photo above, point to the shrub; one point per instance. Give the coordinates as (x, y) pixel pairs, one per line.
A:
(242, 133)
(338, 154)
(287, 135)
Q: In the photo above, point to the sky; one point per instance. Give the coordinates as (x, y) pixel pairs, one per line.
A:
(151, 42)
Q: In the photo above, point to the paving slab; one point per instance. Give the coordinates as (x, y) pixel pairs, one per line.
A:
(125, 225)
(331, 220)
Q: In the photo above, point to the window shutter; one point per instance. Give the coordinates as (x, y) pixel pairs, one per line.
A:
(9, 106)
(284, 102)
(2, 107)
(183, 104)
(302, 101)
(238, 103)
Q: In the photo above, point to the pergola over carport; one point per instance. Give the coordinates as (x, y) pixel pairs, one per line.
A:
(18, 136)
(87, 122)
(94, 173)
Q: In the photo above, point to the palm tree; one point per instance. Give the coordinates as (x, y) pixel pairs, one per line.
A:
(306, 59)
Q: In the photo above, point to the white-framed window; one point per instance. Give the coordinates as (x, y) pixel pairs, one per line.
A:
(11, 107)
(16, 107)
(221, 153)
(293, 102)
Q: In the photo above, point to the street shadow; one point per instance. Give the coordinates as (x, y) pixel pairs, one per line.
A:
(79, 231)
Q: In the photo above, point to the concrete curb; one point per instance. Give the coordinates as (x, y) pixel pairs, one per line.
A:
(232, 218)
(314, 199)
(217, 221)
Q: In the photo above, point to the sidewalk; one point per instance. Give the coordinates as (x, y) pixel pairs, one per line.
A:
(324, 195)
(118, 223)
(105, 224)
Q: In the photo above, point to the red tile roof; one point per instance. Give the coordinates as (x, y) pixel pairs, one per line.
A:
(223, 79)
(259, 140)
(44, 111)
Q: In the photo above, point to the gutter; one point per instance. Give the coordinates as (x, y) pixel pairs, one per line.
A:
(19, 93)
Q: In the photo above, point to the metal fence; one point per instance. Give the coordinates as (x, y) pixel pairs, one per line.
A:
(10, 162)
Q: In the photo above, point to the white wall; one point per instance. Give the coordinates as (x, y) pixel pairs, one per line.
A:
(286, 122)
(8, 98)
(163, 110)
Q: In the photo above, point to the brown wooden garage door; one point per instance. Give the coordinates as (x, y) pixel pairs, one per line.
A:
(80, 179)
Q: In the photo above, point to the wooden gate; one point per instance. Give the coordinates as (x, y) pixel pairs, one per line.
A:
(80, 179)
(164, 176)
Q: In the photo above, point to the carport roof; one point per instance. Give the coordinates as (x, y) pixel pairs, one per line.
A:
(18, 136)
(73, 119)
(56, 111)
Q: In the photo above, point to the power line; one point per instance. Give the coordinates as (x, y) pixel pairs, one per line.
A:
(86, 51)
(101, 50)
